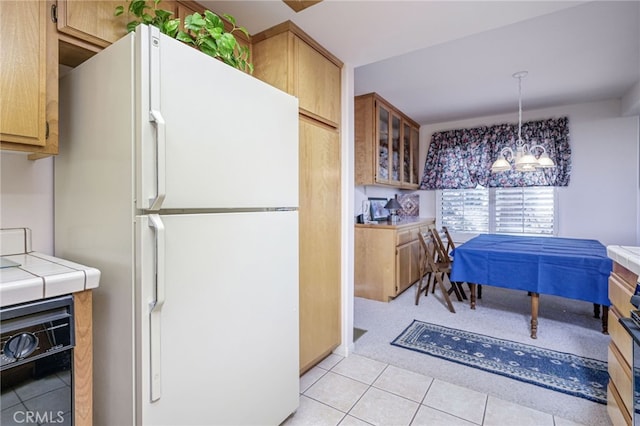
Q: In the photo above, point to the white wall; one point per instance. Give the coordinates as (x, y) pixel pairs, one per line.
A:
(346, 223)
(26, 197)
(602, 199)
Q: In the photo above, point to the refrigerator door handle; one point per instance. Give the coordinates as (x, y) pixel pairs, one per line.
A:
(161, 152)
(156, 308)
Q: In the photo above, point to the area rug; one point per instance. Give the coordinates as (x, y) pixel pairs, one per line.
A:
(563, 372)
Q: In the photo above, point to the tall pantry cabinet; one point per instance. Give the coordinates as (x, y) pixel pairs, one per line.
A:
(287, 58)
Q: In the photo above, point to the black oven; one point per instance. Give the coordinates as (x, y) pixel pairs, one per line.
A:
(36, 376)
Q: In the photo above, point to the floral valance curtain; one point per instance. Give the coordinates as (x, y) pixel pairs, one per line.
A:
(462, 158)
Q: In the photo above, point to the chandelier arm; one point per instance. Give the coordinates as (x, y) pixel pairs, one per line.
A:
(507, 150)
(533, 147)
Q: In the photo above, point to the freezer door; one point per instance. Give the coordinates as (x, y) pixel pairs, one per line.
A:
(217, 318)
(211, 136)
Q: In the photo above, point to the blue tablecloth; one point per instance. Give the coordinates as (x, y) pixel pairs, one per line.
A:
(574, 268)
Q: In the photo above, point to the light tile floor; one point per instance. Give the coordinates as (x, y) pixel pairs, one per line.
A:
(358, 391)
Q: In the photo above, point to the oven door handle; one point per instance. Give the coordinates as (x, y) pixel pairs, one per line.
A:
(155, 313)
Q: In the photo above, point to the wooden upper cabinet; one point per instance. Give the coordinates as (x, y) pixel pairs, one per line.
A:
(87, 27)
(28, 78)
(93, 22)
(386, 144)
(287, 58)
(317, 81)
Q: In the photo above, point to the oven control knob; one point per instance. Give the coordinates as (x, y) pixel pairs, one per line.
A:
(20, 346)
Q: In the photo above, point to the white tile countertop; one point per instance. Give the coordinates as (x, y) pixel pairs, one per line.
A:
(627, 256)
(26, 275)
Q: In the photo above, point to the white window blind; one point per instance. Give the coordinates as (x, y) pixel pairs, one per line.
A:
(465, 210)
(529, 210)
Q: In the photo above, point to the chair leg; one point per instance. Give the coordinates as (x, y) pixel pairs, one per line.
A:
(460, 291)
(455, 289)
(445, 294)
(419, 289)
(422, 289)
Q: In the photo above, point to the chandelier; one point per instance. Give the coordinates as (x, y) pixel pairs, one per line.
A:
(524, 158)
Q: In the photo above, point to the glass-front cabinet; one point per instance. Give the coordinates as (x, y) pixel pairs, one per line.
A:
(386, 144)
(410, 154)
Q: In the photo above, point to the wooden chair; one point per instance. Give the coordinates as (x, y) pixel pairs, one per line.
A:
(435, 270)
(450, 245)
(444, 250)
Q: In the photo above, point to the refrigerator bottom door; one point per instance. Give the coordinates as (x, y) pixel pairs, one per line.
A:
(224, 343)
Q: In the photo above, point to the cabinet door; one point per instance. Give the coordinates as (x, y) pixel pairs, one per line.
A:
(415, 156)
(388, 141)
(409, 155)
(319, 241)
(415, 261)
(407, 265)
(93, 21)
(404, 258)
(30, 83)
(317, 83)
(406, 153)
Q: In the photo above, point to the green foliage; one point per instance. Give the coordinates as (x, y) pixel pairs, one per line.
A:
(206, 32)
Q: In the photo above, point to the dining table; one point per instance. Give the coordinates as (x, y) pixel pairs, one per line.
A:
(574, 268)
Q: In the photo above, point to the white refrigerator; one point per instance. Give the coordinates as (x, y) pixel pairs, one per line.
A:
(178, 179)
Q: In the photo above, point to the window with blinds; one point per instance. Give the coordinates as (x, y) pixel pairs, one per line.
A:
(529, 210)
(465, 210)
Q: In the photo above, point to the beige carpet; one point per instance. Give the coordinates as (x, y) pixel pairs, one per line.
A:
(564, 325)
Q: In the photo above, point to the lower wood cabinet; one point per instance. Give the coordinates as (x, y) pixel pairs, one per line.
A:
(387, 258)
(83, 359)
(622, 284)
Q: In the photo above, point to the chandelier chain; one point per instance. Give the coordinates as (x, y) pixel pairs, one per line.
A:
(519, 142)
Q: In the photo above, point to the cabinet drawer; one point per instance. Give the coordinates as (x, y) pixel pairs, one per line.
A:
(625, 275)
(408, 235)
(403, 237)
(620, 296)
(617, 413)
(620, 337)
(620, 374)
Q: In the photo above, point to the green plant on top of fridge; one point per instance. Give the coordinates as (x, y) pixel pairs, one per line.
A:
(205, 32)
